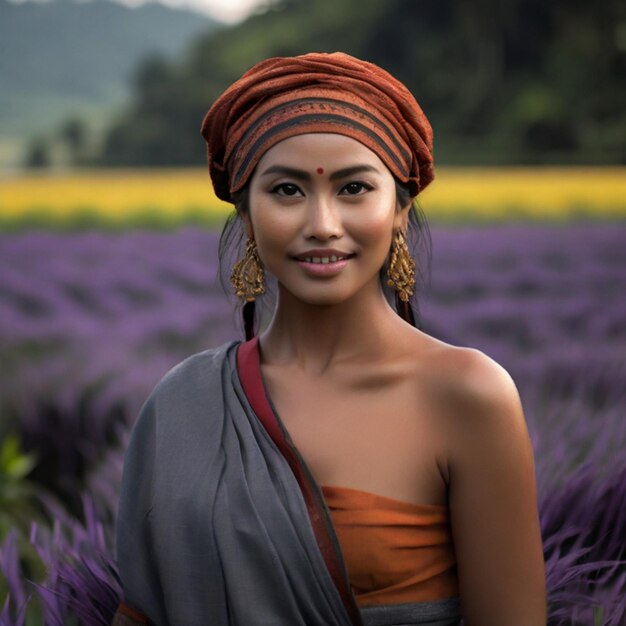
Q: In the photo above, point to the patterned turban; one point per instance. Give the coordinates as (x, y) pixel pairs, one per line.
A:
(316, 93)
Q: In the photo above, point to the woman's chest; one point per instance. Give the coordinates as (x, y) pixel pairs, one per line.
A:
(373, 434)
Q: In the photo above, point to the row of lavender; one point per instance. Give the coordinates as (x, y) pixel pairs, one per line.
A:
(89, 323)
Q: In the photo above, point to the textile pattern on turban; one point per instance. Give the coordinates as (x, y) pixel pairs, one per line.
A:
(316, 93)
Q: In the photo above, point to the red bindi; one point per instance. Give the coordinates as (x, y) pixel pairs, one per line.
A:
(320, 170)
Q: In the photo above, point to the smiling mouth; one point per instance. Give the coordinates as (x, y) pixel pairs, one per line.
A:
(325, 259)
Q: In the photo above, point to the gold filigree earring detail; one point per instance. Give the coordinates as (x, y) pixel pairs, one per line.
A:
(248, 276)
(401, 270)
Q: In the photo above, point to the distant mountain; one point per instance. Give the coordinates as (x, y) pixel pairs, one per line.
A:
(65, 57)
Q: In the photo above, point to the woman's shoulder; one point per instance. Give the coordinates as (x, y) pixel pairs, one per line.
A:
(189, 391)
(466, 372)
(466, 383)
(193, 369)
(478, 406)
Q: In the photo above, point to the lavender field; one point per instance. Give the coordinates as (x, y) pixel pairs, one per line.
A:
(90, 321)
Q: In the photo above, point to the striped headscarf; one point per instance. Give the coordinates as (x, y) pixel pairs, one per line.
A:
(316, 93)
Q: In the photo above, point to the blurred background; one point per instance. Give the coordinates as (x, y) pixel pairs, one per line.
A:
(108, 250)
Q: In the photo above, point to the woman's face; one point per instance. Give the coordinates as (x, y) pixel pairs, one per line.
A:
(323, 211)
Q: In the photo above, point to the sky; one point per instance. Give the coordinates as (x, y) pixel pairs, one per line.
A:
(227, 11)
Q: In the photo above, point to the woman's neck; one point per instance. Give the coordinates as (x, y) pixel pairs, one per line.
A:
(317, 337)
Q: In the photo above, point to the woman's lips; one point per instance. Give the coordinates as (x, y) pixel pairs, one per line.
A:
(323, 261)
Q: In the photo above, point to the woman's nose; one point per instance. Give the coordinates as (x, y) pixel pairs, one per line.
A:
(323, 219)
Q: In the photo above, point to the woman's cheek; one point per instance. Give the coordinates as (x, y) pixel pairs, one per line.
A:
(373, 228)
(272, 242)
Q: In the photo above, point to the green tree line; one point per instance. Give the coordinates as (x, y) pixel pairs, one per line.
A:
(502, 81)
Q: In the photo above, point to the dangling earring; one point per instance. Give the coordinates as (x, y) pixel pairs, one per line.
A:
(248, 276)
(401, 270)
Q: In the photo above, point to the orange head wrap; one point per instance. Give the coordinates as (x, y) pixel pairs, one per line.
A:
(316, 93)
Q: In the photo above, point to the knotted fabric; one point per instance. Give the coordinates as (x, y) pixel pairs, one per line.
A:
(316, 93)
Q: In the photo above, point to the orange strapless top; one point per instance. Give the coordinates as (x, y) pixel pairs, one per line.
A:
(394, 551)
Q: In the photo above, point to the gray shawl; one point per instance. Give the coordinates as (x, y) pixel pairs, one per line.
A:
(217, 527)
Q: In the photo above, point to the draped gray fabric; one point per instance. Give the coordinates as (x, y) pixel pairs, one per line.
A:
(435, 613)
(212, 527)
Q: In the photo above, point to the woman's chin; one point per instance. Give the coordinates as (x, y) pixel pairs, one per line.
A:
(323, 295)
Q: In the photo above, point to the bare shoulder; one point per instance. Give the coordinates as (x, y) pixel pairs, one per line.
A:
(487, 464)
(473, 385)
(477, 402)
(489, 470)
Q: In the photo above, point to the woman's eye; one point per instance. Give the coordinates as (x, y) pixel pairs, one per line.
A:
(355, 189)
(287, 189)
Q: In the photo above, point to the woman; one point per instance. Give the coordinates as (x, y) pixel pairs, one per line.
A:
(397, 485)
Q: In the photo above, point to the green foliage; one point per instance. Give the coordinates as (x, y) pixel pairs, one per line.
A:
(18, 511)
(514, 81)
(63, 58)
(17, 494)
(14, 466)
(38, 154)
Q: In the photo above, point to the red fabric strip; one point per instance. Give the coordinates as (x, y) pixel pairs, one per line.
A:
(124, 609)
(249, 369)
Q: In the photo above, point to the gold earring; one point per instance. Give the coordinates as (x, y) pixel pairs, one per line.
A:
(248, 276)
(401, 270)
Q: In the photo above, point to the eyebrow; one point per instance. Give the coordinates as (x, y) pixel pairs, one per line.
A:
(305, 176)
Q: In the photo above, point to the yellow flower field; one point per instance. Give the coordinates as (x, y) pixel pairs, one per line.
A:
(173, 196)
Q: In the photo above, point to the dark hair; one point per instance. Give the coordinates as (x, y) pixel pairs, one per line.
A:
(232, 247)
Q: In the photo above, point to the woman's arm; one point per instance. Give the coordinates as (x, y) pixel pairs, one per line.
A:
(492, 496)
